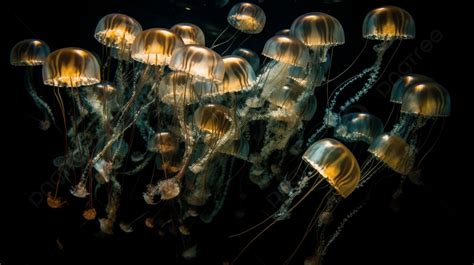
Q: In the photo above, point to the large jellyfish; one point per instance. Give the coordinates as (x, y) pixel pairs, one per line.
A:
(117, 31)
(189, 33)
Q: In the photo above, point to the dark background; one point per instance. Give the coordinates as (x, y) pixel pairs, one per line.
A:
(432, 226)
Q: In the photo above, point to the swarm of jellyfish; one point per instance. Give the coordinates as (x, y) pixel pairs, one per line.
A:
(160, 101)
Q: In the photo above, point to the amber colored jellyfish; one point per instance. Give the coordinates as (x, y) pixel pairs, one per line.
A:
(404, 82)
(239, 75)
(391, 151)
(155, 46)
(245, 18)
(189, 33)
(29, 53)
(421, 102)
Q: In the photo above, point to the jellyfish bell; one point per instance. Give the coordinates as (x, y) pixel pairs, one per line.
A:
(250, 56)
(155, 46)
(189, 33)
(336, 163)
(117, 31)
(89, 214)
(317, 29)
(246, 17)
(394, 152)
(54, 202)
(286, 49)
(71, 67)
(200, 62)
(404, 82)
(238, 76)
(359, 127)
(428, 99)
(163, 142)
(388, 23)
(288, 98)
(30, 52)
(180, 88)
(214, 119)
(168, 189)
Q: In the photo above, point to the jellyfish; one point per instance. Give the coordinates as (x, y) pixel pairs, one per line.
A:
(359, 127)
(386, 25)
(421, 102)
(244, 17)
(250, 56)
(189, 33)
(284, 32)
(238, 76)
(392, 151)
(181, 89)
(155, 46)
(401, 85)
(219, 126)
(117, 31)
(71, 67)
(30, 53)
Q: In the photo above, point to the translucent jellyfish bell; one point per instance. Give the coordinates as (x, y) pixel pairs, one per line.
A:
(200, 62)
(250, 56)
(178, 88)
(286, 96)
(238, 76)
(388, 23)
(246, 17)
(214, 119)
(394, 152)
(117, 31)
(286, 49)
(163, 142)
(71, 67)
(189, 33)
(359, 127)
(29, 52)
(405, 82)
(427, 99)
(335, 163)
(318, 29)
(155, 46)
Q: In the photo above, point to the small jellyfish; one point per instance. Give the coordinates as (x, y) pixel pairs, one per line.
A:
(29, 52)
(394, 152)
(155, 46)
(127, 228)
(317, 29)
(71, 67)
(164, 143)
(184, 230)
(388, 23)
(286, 49)
(404, 82)
(80, 190)
(150, 222)
(239, 75)
(189, 33)
(54, 202)
(250, 56)
(168, 188)
(89, 214)
(246, 17)
(106, 226)
(359, 127)
(428, 99)
(200, 62)
(117, 31)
